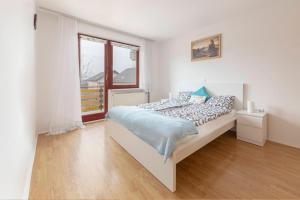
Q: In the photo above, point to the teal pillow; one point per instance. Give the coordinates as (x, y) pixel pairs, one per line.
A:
(201, 92)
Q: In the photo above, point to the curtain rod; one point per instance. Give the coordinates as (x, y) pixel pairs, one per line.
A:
(57, 13)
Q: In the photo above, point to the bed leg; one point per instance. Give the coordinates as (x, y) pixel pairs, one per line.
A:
(174, 179)
(170, 176)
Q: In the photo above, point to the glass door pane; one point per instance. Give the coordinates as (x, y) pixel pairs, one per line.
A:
(92, 76)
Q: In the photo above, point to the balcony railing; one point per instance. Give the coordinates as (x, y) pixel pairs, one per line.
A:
(92, 100)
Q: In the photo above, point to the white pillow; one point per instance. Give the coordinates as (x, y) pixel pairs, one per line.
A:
(197, 99)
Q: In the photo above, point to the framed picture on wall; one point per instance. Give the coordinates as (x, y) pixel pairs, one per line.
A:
(206, 48)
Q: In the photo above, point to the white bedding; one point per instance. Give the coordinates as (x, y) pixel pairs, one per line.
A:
(208, 127)
(199, 114)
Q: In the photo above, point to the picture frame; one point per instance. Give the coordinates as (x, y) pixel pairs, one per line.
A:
(207, 48)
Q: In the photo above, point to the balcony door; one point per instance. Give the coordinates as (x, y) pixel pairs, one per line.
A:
(93, 77)
(104, 64)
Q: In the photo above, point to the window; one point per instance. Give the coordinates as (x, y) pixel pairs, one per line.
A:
(92, 76)
(124, 65)
(104, 64)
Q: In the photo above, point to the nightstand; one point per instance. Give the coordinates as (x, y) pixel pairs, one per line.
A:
(252, 127)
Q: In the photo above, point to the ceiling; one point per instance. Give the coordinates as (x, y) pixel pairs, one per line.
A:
(153, 19)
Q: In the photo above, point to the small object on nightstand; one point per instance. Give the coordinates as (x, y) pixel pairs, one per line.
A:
(250, 106)
(252, 127)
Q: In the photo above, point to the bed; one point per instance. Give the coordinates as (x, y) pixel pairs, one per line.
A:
(165, 170)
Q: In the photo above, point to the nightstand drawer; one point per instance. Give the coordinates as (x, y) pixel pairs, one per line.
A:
(251, 134)
(250, 121)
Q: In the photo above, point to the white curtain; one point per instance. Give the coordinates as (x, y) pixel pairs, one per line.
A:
(65, 109)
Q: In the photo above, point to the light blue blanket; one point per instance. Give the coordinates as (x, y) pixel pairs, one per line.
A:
(157, 130)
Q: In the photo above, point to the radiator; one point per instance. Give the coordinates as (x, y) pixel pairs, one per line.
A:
(126, 97)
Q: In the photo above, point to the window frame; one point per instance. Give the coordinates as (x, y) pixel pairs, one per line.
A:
(108, 71)
(110, 75)
(97, 116)
(109, 63)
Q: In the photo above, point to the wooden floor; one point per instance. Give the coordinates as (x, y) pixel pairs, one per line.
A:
(88, 164)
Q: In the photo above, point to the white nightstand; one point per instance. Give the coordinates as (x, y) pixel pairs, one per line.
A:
(252, 127)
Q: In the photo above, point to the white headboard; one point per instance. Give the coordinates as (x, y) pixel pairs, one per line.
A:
(234, 89)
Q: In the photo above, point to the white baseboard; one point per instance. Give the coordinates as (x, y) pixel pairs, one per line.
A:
(284, 143)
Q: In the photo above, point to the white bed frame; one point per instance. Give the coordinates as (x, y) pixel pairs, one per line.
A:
(153, 161)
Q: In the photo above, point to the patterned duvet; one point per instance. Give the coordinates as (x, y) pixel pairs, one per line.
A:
(197, 113)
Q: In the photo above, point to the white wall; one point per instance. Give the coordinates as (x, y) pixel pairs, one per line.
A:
(46, 43)
(17, 83)
(261, 49)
